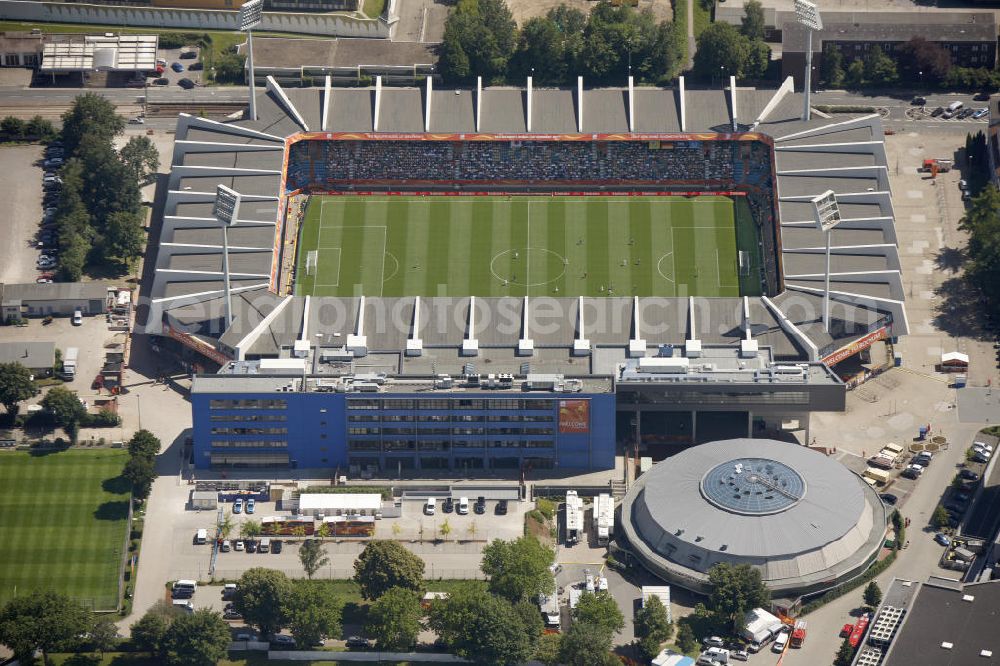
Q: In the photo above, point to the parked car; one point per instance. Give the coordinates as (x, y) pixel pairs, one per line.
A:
(448, 506)
(463, 506)
(276, 546)
(982, 446)
(251, 505)
(77, 318)
(231, 615)
(962, 497)
(480, 506)
(246, 636)
(283, 641)
(46, 262)
(889, 499)
(358, 643)
(937, 112)
(918, 101)
(188, 55)
(238, 545)
(238, 505)
(981, 113)
(965, 113)
(43, 280)
(137, 120)
(161, 81)
(196, 67)
(713, 641)
(177, 67)
(501, 509)
(982, 96)
(187, 84)
(251, 546)
(739, 655)
(846, 630)
(225, 546)
(981, 457)
(968, 475)
(942, 539)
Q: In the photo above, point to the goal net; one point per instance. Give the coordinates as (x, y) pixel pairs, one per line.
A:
(744, 258)
(311, 258)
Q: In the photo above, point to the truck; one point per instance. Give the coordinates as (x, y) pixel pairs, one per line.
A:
(798, 634)
(574, 517)
(549, 606)
(604, 518)
(759, 626)
(936, 165)
(69, 364)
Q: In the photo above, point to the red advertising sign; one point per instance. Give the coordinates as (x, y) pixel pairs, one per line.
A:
(574, 416)
(856, 346)
(487, 136)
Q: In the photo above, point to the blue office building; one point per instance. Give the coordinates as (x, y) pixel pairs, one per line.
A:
(383, 424)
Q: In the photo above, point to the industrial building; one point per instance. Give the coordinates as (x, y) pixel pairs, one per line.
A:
(54, 298)
(451, 382)
(37, 356)
(805, 521)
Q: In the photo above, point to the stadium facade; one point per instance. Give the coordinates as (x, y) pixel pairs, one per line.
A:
(438, 382)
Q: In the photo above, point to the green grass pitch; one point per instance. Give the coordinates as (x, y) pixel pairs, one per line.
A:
(63, 518)
(523, 245)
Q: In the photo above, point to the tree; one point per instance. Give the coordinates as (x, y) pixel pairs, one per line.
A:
(383, 565)
(141, 157)
(259, 596)
(722, 51)
(42, 621)
(879, 68)
(141, 472)
(845, 655)
(547, 650)
(982, 223)
(540, 42)
(686, 640)
(144, 443)
(833, 66)
(226, 526)
(124, 239)
(64, 406)
(479, 38)
(519, 569)
(40, 128)
(601, 611)
(873, 595)
(856, 73)
(923, 62)
(753, 20)
(12, 127)
(652, 626)
(758, 60)
(940, 517)
(311, 613)
(230, 68)
(313, 557)
(149, 632)
(91, 115)
(486, 629)
(586, 645)
(16, 385)
(200, 638)
(103, 634)
(250, 529)
(395, 620)
(735, 590)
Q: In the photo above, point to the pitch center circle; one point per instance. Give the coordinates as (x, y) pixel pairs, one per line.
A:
(520, 261)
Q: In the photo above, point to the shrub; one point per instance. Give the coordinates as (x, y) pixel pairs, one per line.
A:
(547, 507)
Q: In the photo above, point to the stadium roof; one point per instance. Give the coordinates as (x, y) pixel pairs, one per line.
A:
(800, 517)
(845, 154)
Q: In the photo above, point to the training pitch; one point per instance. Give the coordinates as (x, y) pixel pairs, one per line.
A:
(63, 518)
(525, 245)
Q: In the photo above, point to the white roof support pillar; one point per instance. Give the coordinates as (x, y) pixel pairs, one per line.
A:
(243, 345)
(378, 101)
(636, 345)
(357, 343)
(631, 104)
(732, 98)
(581, 345)
(692, 346)
(789, 327)
(414, 345)
(527, 121)
(748, 346)
(579, 104)
(479, 102)
(680, 85)
(470, 345)
(327, 99)
(300, 348)
(525, 346)
(427, 104)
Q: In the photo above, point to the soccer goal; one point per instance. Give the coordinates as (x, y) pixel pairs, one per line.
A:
(311, 257)
(744, 258)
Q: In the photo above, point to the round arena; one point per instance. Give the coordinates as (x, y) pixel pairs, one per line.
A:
(803, 519)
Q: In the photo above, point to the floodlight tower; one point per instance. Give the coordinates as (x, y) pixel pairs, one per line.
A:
(249, 18)
(226, 210)
(826, 212)
(807, 13)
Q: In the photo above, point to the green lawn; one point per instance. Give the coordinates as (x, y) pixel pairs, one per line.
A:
(522, 245)
(63, 520)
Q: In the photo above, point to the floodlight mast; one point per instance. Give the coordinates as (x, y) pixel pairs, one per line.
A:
(807, 14)
(826, 213)
(249, 18)
(226, 210)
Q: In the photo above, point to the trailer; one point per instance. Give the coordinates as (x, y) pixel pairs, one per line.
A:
(549, 606)
(604, 518)
(69, 364)
(574, 517)
(798, 634)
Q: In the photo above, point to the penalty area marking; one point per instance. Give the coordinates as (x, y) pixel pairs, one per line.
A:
(659, 267)
(395, 270)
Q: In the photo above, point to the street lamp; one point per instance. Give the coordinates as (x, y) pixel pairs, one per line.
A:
(807, 14)
(249, 18)
(826, 213)
(226, 210)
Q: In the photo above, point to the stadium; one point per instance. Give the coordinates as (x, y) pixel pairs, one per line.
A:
(650, 250)
(802, 519)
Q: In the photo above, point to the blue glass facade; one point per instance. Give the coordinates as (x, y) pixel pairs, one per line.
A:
(435, 431)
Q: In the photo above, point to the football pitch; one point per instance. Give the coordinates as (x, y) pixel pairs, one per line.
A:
(63, 517)
(525, 245)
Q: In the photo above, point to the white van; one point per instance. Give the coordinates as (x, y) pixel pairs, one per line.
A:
(431, 507)
(463, 505)
(264, 546)
(201, 536)
(779, 642)
(184, 605)
(189, 585)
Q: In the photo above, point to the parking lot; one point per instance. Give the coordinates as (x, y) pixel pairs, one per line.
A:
(21, 192)
(172, 56)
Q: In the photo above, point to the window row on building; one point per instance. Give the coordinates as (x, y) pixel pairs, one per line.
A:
(250, 403)
(446, 418)
(449, 403)
(445, 445)
(497, 430)
(460, 464)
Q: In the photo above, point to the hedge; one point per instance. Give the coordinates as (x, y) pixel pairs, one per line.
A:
(849, 586)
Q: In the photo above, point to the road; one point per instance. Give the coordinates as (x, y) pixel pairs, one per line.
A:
(901, 114)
